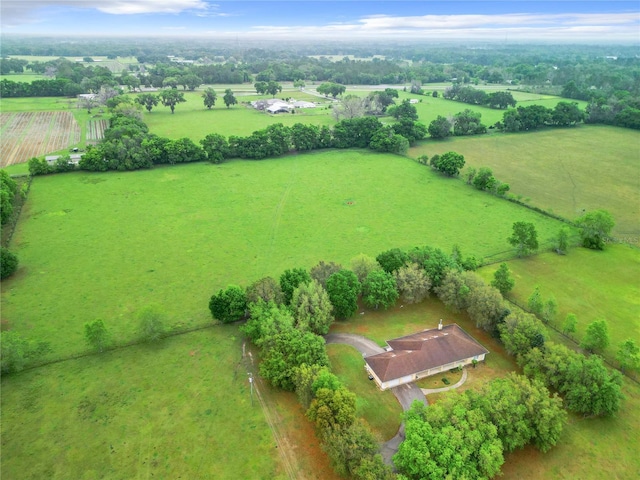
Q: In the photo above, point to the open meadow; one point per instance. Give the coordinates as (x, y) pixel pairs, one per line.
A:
(104, 245)
(191, 119)
(566, 171)
(162, 411)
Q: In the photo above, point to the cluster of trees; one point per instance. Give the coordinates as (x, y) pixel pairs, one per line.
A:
(331, 88)
(128, 145)
(8, 192)
(621, 109)
(466, 435)
(376, 103)
(569, 373)
(473, 96)
(587, 385)
(451, 163)
(285, 319)
(594, 69)
(483, 179)
(16, 352)
(463, 123)
(271, 87)
(564, 114)
(65, 78)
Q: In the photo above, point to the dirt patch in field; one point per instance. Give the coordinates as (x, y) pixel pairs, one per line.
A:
(24, 135)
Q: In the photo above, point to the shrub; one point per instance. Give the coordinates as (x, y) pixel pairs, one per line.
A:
(8, 263)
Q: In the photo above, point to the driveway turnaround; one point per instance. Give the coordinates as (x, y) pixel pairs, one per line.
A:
(405, 394)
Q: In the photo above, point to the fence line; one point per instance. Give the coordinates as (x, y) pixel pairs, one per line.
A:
(119, 346)
(574, 341)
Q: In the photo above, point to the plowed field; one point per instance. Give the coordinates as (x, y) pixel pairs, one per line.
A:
(31, 134)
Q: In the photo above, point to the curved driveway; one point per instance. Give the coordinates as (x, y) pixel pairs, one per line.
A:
(405, 394)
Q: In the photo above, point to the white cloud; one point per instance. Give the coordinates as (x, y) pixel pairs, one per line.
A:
(128, 7)
(566, 27)
(17, 12)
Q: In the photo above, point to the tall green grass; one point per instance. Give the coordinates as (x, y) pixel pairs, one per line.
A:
(104, 245)
(566, 171)
(591, 284)
(181, 408)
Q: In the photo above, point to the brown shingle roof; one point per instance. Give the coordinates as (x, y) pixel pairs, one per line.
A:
(423, 351)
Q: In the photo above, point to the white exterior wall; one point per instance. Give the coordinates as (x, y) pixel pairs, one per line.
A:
(425, 373)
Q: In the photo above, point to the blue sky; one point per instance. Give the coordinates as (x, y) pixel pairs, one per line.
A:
(565, 21)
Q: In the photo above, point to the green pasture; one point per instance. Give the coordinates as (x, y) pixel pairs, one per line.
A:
(22, 77)
(38, 104)
(162, 411)
(104, 245)
(591, 284)
(191, 118)
(566, 171)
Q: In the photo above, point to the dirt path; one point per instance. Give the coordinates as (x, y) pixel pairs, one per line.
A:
(285, 449)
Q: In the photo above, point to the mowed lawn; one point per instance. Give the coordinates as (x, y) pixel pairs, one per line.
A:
(178, 409)
(105, 245)
(567, 171)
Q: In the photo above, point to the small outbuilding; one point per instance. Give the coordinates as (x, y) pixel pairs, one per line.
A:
(423, 354)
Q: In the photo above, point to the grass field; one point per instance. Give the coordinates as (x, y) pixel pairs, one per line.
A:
(23, 77)
(566, 171)
(593, 285)
(104, 245)
(160, 411)
(191, 119)
(380, 409)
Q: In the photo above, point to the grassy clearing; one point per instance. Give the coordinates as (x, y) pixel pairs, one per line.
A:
(22, 77)
(105, 245)
(380, 409)
(161, 411)
(591, 284)
(191, 119)
(39, 104)
(566, 171)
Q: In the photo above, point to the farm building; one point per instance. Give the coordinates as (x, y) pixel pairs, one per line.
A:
(413, 100)
(303, 104)
(73, 158)
(280, 107)
(423, 354)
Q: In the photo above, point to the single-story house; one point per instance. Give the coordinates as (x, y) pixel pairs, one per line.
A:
(423, 354)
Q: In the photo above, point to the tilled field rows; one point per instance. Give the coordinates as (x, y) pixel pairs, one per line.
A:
(95, 130)
(32, 134)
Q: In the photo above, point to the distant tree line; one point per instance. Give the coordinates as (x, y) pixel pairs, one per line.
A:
(128, 145)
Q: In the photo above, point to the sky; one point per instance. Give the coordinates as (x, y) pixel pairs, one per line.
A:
(443, 20)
